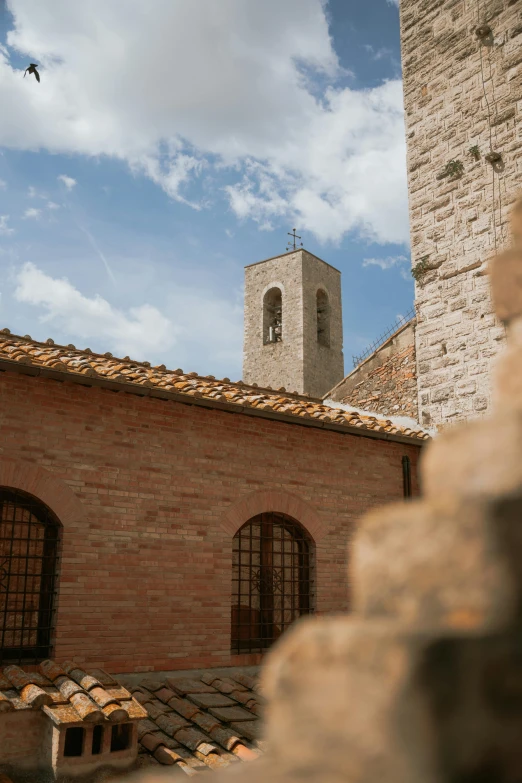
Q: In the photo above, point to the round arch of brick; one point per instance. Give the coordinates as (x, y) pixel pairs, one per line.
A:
(269, 500)
(40, 483)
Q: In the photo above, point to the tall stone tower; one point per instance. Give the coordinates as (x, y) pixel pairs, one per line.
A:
(293, 334)
(462, 71)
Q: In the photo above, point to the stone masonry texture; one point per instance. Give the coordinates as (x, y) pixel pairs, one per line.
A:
(463, 100)
(299, 362)
(150, 493)
(385, 382)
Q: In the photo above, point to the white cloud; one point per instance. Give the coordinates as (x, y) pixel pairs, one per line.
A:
(4, 228)
(3, 184)
(378, 54)
(52, 205)
(210, 328)
(199, 322)
(141, 329)
(386, 263)
(69, 182)
(32, 192)
(32, 213)
(175, 88)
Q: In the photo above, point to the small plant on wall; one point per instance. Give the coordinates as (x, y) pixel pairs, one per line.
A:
(420, 268)
(454, 168)
(474, 152)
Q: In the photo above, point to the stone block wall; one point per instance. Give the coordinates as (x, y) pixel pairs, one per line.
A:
(463, 100)
(280, 364)
(323, 364)
(297, 363)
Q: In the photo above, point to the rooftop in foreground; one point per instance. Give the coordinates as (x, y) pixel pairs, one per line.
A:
(199, 721)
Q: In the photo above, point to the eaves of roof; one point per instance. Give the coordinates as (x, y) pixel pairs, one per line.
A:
(202, 401)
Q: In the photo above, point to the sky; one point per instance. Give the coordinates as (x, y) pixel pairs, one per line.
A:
(171, 143)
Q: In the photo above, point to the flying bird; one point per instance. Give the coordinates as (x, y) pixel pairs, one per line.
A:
(32, 69)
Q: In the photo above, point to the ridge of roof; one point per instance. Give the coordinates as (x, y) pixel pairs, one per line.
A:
(68, 694)
(20, 352)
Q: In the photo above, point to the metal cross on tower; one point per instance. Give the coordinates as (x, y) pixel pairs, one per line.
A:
(292, 245)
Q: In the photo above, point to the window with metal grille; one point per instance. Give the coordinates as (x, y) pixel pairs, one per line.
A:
(406, 477)
(271, 580)
(29, 540)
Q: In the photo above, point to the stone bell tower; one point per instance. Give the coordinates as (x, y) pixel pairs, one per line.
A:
(293, 335)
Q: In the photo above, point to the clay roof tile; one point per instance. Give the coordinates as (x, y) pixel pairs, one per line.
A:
(67, 694)
(85, 363)
(204, 733)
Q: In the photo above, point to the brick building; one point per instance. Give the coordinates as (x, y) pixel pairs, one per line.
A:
(159, 520)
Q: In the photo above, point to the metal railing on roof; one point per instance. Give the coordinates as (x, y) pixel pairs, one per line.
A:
(380, 340)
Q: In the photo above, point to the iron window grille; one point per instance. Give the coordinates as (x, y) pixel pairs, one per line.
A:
(29, 543)
(271, 580)
(406, 477)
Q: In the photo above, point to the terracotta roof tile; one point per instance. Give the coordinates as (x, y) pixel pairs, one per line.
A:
(230, 714)
(228, 686)
(184, 707)
(62, 713)
(207, 700)
(185, 686)
(64, 700)
(165, 694)
(145, 726)
(153, 740)
(116, 713)
(390, 388)
(171, 723)
(74, 362)
(156, 708)
(192, 731)
(56, 696)
(5, 703)
(133, 709)
(248, 729)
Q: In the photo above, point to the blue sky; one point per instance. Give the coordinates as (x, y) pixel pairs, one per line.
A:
(171, 143)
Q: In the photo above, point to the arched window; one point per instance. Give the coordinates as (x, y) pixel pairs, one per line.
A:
(323, 318)
(273, 316)
(271, 580)
(29, 538)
